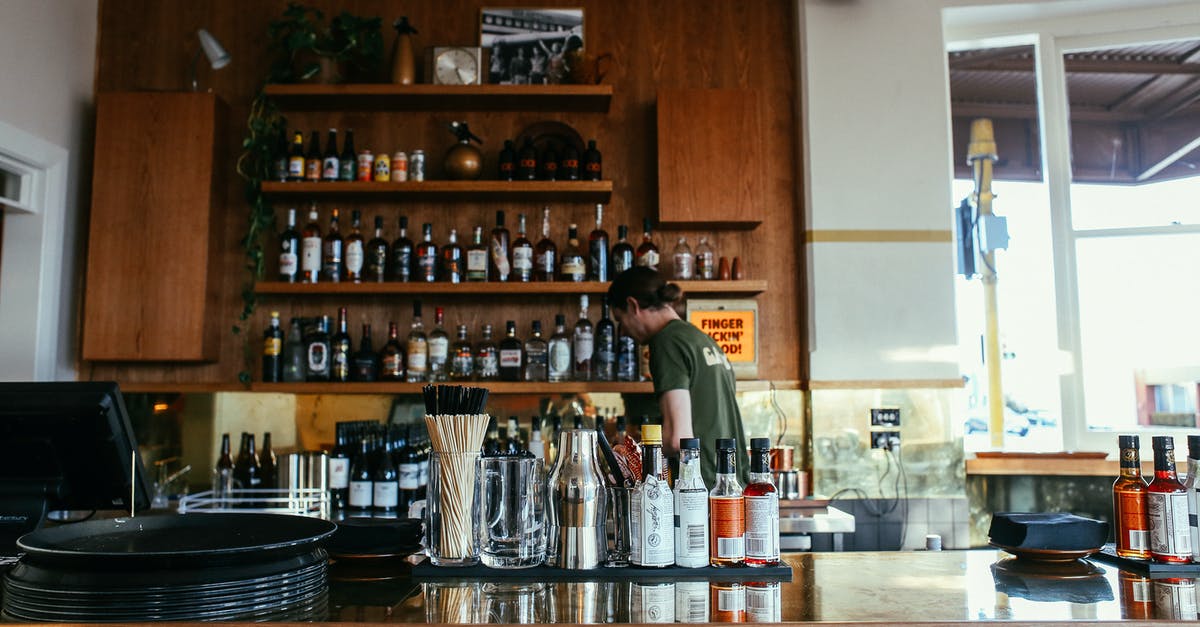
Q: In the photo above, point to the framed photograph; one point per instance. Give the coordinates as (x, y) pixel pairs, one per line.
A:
(528, 46)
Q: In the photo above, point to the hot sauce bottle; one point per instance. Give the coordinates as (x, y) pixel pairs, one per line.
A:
(1166, 507)
(1129, 503)
(726, 510)
(762, 508)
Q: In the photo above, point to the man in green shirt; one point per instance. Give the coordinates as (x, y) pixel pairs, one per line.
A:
(693, 380)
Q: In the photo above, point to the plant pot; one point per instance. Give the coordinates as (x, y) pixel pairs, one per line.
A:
(328, 69)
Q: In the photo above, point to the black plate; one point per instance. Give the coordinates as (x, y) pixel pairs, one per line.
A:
(376, 536)
(304, 603)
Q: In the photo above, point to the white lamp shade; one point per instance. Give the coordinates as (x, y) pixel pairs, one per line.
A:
(217, 56)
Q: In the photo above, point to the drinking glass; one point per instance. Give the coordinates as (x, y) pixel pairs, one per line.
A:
(512, 533)
(618, 522)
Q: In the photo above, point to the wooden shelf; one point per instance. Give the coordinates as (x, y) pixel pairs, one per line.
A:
(745, 287)
(568, 191)
(179, 388)
(386, 97)
(495, 387)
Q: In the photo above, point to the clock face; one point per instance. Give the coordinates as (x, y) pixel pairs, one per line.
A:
(456, 66)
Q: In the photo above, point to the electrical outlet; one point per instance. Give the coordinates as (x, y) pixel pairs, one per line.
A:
(889, 417)
(889, 440)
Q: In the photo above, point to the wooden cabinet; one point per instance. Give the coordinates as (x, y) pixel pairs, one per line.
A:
(711, 156)
(154, 230)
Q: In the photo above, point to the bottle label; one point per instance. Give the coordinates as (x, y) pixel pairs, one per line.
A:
(510, 358)
(622, 262)
(545, 263)
(424, 476)
(417, 359)
(360, 493)
(477, 263)
(762, 527)
(652, 603)
(439, 350)
(385, 494)
(310, 254)
(683, 266)
(691, 600)
(560, 358)
(296, 167)
(354, 257)
(1175, 599)
(489, 366)
(1169, 531)
(728, 519)
(428, 266)
(346, 169)
(410, 476)
(1131, 520)
(573, 267)
(763, 603)
(522, 260)
(402, 262)
(393, 365)
(649, 259)
(287, 263)
(584, 346)
(691, 527)
(329, 169)
(312, 169)
(462, 364)
(341, 361)
(272, 346)
(705, 266)
(653, 513)
(599, 255)
(339, 473)
(318, 357)
(499, 259)
(731, 599)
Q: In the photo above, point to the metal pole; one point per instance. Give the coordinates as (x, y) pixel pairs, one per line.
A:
(981, 156)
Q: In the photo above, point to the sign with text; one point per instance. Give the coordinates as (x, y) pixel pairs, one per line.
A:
(733, 325)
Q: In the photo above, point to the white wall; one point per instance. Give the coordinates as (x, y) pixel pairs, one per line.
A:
(48, 49)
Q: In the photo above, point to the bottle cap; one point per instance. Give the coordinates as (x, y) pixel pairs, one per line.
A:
(1163, 443)
(1194, 446)
(689, 444)
(1127, 441)
(760, 444)
(726, 444)
(560, 319)
(651, 434)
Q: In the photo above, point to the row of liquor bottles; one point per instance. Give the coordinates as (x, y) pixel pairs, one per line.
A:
(251, 469)
(378, 469)
(310, 256)
(319, 352)
(294, 164)
(1157, 521)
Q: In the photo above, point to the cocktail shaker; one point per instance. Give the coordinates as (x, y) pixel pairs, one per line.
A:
(576, 499)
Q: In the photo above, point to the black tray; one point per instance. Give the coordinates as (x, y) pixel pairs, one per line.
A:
(1146, 568)
(427, 571)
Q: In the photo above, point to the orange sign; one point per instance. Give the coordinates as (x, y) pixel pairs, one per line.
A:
(732, 330)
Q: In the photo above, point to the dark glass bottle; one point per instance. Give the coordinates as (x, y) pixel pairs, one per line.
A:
(353, 249)
(392, 358)
(1166, 507)
(329, 163)
(402, 254)
(341, 350)
(598, 265)
(289, 250)
(310, 248)
(268, 464)
(295, 358)
(647, 251)
(507, 162)
(627, 357)
(280, 160)
(522, 254)
(568, 165)
(527, 161)
(385, 488)
(296, 161)
(604, 358)
(312, 160)
(500, 257)
(591, 162)
(545, 253)
(426, 256)
(366, 360)
(223, 469)
(339, 469)
(574, 267)
(492, 446)
(452, 268)
(622, 252)
(317, 349)
(348, 162)
(409, 463)
(512, 352)
(246, 471)
(362, 486)
(549, 163)
(375, 267)
(332, 259)
(272, 354)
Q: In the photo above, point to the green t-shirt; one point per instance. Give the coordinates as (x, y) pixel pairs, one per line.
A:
(682, 357)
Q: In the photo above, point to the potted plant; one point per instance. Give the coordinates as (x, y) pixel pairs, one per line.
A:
(309, 49)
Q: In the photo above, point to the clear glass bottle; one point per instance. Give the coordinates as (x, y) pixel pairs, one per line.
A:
(559, 360)
(439, 347)
(462, 361)
(417, 367)
(727, 510)
(1166, 507)
(294, 354)
(762, 508)
(682, 260)
(536, 355)
(487, 357)
(1129, 502)
(512, 354)
(522, 254)
(583, 343)
(691, 507)
(652, 507)
(705, 267)
(477, 258)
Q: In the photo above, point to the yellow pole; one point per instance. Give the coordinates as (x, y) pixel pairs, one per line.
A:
(981, 155)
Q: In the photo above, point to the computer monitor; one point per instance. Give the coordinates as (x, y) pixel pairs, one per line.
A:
(65, 446)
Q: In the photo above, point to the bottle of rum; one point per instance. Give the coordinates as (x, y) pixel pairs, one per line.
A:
(652, 507)
(623, 255)
(427, 256)
(366, 360)
(522, 254)
(272, 355)
(452, 260)
(583, 344)
(487, 357)
(507, 162)
(499, 263)
(604, 354)
(402, 254)
(462, 361)
(1166, 507)
(317, 349)
(705, 266)
(598, 263)
(296, 158)
(1129, 503)
(574, 268)
(289, 249)
(310, 248)
(647, 252)
(536, 355)
(512, 353)
(348, 161)
(727, 510)
(1193, 492)
(354, 249)
(417, 368)
(439, 347)
(591, 162)
(691, 508)
(477, 258)
(762, 508)
(682, 257)
(330, 169)
(559, 348)
(545, 253)
(332, 264)
(375, 266)
(313, 160)
(392, 358)
(340, 350)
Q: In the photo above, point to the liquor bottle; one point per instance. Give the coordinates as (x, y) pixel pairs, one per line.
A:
(582, 344)
(417, 349)
(439, 347)
(727, 510)
(366, 360)
(362, 487)
(487, 357)
(348, 161)
(312, 160)
(289, 249)
(310, 248)
(536, 355)
(544, 262)
(537, 447)
(375, 266)
(652, 507)
(392, 358)
(647, 252)
(341, 350)
(598, 263)
(451, 267)
(353, 247)
(281, 159)
(339, 470)
(506, 162)
(317, 350)
(295, 357)
(272, 355)
(424, 448)
(500, 257)
(1129, 503)
(402, 254)
(691, 508)
(427, 256)
(1193, 492)
(522, 254)
(568, 165)
(385, 488)
(549, 164)
(330, 169)
(478, 258)
(627, 357)
(491, 441)
(268, 464)
(623, 256)
(559, 352)
(246, 471)
(527, 161)
(296, 158)
(762, 508)
(462, 361)
(515, 445)
(332, 260)
(705, 264)
(512, 353)
(410, 471)
(682, 260)
(591, 162)
(1166, 507)
(574, 266)
(223, 470)
(604, 353)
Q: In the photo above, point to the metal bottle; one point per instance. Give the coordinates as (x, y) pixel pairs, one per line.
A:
(576, 494)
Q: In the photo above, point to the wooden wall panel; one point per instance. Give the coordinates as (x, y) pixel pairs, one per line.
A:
(147, 44)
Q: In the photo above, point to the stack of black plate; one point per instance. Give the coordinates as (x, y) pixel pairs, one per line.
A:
(198, 567)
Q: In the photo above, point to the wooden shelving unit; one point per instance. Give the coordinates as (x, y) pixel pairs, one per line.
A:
(448, 191)
(495, 387)
(386, 97)
(745, 287)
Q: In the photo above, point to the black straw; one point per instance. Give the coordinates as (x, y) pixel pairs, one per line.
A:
(453, 400)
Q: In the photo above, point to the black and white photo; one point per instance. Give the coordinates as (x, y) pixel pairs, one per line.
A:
(529, 46)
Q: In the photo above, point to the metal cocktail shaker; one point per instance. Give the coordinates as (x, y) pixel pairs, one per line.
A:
(575, 497)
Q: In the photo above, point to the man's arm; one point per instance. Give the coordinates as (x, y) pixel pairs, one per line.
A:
(676, 406)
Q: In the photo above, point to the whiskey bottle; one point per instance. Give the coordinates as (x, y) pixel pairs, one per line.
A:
(506, 162)
(402, 254)
(691, 508)
(392, 358)
(487, 356)
(317, 350)
(329, 164)
(627, 357)
(289, 249)
(647, 252)
(385, 487)
(652, 507)
(582, 343)
(362, 486)
(512, 354)
(418, 349)
(1166, 507)
(623, 255)
(272, 355)
(451, 269)
(477, 258)
(727, 510)
(375, 267)
(522, 254)
(568, 165)
(313, 160)
(537, 446)
(348, 161)
(462, 361)
(591, 162)
(366, 360)
(341, 350)
(574, 268)
(333, 263)
(559, 352)
(295, 354)
(439, 347)
(536, 355)
(296, 158)
(682, 260)
(527, 161)
(545, 253)
(598, 263)
(762, 508)
(353, 247)
(500, 257)
(604, 353)
(310, 248)
(1129, 503)
(427, 256)
(705, 265)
